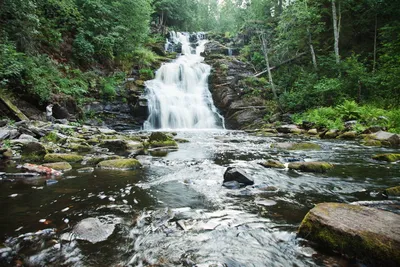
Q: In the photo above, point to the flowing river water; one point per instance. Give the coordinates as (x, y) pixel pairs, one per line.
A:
(174, 211)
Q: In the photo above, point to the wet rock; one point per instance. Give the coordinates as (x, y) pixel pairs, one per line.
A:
(33, 151)
(393, 191)
(273, 164)
(160, 139)
(93, 230)
(181, 140)
(79, 147)
(289, 128)
(59, 166)
(331, 134)
(371, 142)
(233, 185)
(40, 169)
(4, 134)
(348, 135)
(238, 175)
(120, 164)
(372, 129)
(57, 157)
(28, 137)
(312, 132)
(387, 157)
(316, 166)
(371, 235)
(6, 153)
(296, 146)
(386, 138)
(265, 202)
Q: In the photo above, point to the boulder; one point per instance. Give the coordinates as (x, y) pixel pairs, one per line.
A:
(79, 147)
(28, 137)
(387, 157)
(296, 146)
(371, 142)
(5, 153)
(348, 135)
(393, 191)
(59, 166)
(57, 157)
(116, 145)
(272, 164)
(93, 230)
(33, 151)
(312, 131)
(331, 134)
(160, 139)
(371, 235)
(238, 175)
(289, 128)
(4, 133)
(386, 138)
(316, 166)
(120, 164)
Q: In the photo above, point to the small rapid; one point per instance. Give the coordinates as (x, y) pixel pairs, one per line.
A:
(178, 97)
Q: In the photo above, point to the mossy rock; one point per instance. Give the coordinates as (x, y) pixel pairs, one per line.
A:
(93, 141)
(312, 131)
(6, 153)
(160, 139)
(371, 142)
(393, 191)
(33, 151)
(370, 235)
(80, 147)
(273, 164)
(387, 157)
(297, 146)
(316, 166)
(59, 166)
(348, 135)
(95, 160)
(120, 164)
(57, 157)
(331, 134)
(116, 145)
(181, 140)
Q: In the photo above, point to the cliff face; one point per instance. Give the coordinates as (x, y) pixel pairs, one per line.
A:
(229, 88)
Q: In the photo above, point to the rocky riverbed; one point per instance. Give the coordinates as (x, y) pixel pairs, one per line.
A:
(152, 198)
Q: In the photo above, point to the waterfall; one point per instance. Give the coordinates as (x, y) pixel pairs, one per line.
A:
(178, 97)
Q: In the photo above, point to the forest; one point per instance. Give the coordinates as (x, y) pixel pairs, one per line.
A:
(341, 56)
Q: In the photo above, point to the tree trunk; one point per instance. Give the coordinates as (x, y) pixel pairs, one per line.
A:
(336, 31)
(265, 51)
(313, 57)
(375, 37)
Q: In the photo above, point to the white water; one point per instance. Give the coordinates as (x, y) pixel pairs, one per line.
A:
(178, 96)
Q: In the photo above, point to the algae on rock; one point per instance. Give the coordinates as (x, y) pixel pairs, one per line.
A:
(120, 164)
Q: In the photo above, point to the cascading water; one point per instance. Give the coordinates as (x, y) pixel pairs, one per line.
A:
(178, 97)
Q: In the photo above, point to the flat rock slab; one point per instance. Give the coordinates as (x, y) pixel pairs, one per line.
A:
(93, 230)
(371, 235)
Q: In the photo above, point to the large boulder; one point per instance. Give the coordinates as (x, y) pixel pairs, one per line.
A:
(371, 235)
(116, 145)
(273, 164)
(120, 164)
(389, 157)
(160, 139)
(59, 166)
(57, 157)
(316, 166)
(33, 151)
(238, 175)
(386, 138)
(393, 191)
(93, 230)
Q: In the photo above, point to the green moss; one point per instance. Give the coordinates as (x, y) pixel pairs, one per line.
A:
(169, 143)
(181, 140)
(80, 147)
(317, 166)
(51, 137)
(96, 160)
(393, 191)
(348, 135)
(387, 157)
(121, 164)
(371, 142)
(33, 152)
(59, 166)
(62, 157)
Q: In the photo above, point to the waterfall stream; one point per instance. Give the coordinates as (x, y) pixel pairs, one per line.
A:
(178, 97)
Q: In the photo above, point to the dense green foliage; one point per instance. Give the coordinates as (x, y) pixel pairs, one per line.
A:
(68, 46)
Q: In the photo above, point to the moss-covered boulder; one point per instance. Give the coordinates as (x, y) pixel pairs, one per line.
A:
(389, 157)
(57, 157)
(272, 164)
(120, 164)
(348, 135)
(316, 166)
(331, 134)
(5, 153)
(116, 145)
(59, 166)
(371, 235)
(33, 151)
(79, 147)
(393, 191)
(296, 146)
(387, 139)
(160, 139)
(312, 131)
(371, 142)
(94, 160)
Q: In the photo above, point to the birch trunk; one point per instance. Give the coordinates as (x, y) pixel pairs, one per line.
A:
(335, 31)
(265, 51)
(312, 51)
